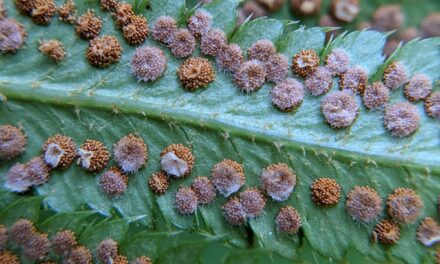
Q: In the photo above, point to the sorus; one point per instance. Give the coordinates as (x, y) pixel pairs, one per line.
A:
(13, 141)
(305, 62)
(404, 205)
(325, 192)
(233, 211)
(401, 119)
(196, 73)
(59, 151)
(363, 203)
(253, 202)
(228, 177)
(200, 22)
(204, 190)
(131, 153)
(339, 108)
(177, 160)
(88, 25)
(428, 232)
(159, 182)
(386, 232)
(93, 156)
(288, 220)
(250, 76)
(186, 200)
(278, 181)
(53, 48)
(63, 242)
(288, 94)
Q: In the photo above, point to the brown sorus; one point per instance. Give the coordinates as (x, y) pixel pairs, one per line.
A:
(228, 177)
(204, 190)
(93, 156)
(404, 205)
(345, 10)
(37, 170)
(305, 62)
(37, 247)
(196, 73)
(67, 12)
(288, 220)
(305, 7)
(109, 5)
(123, 14)
(21, 231)
(386, 232)
(253, 202)
(131, 153)
(363, 203)
(177, 160)
(88, 25)
(136, 32)
(107, 250)
(325, 192)
(53, 48)
(81, 255)
(3, 11)
(103, 51)
(186, 200)
(233, 211)
(354, 79)
(113, 182)
(278, 181)
(13, 142)
(432, 105)
(59, 151)
(63, 242)
(43, 11)
(428, 232)
(159, 182)
(8, 257)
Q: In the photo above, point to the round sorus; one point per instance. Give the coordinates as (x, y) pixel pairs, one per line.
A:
(113, 182)
(136, 32)
(233, 211)
(432, 105)
(37, 170)
(164, 28)
(428, 232)
(43, 11)
(148, 63)
(12, 36)
(305, 62)
(325, 192)
(277, 68)
(109, 5)
(3, 237)
(131, 153)
(213, 42)
(3, 11)
(7, 257)
(59, 151)
(261, 50)
(79, 254)
(67, 12)
(401, 119)
(185, 200)
(53, 48)
(177, 160)
(143, 260)
(278, 181)
(354, 79)
(376, 95)
(103, 51)
(182, 43)
(386, 232)
(253, 202)
(288, 220)
(204, 190)
(17, 179)
(363, 203)
(288, 94)
(88, 25)
(159, 182)
(21, 232)
(271, 5)
(339, 108)
(395, 75)
(337, 62)
(93, 156)
(228, 177)
(37, 247)
(319, 82)
(305, 7)
(107, 250)
(388, 17)
(250, 76)
(345, 10)
(196, 73)
(120, 260)
(123, 14)
(404, 205)
(24, 6)
(230, 58)
(431, 25)
(418, 88)
(12, 142)
(63, 242)
(200, 22)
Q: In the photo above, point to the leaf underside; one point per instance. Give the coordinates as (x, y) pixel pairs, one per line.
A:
(219, 122)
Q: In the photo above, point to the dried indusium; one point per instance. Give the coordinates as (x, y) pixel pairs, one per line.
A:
(88, 25)
(131, 153)
(418, 87)
(43, 11)
(395, 75)
(376, 95)
(363, 204)
(354, 79)
(186, 200)
(59, 151)
(113, 182)
(79, 254)
(177, 160)
(228, 177)
(305, 62)
(386, 232)
(278, 181)
(37, 247)
(404, 205)
(288, 220)
(17, 179)
(204, 190)
(159, 182)
(401, 119)
(63, 242)
(253, 202)
(37, 170)
(233, 212)
(164, 28)
(277, 68)
(12, 35)
(250, 76)
(136, 32)
(339, 108)
(213, 42)
(200, 22)
(67, 12)
(319, 82)
(196, 73)
(288, 94)
(182, 43)
(428, 232)
(12, 142)
(104, 51)
(305, 7)
(432, 105)
(21, 232)
(53, 48)
(107, 250)
(261, 50)
(148, 63)
(337, 62)
(8, 258)
(325, 192)
(93, 156)
(230, 58)
(345, 10)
